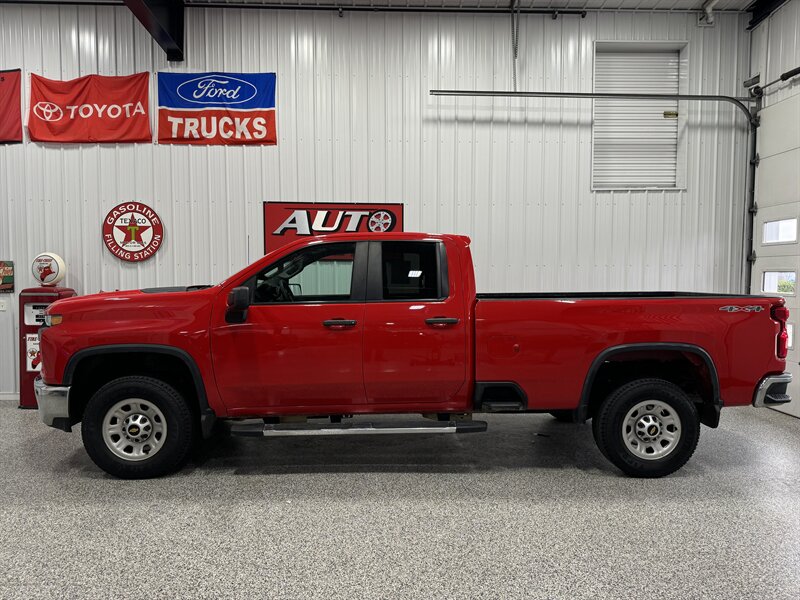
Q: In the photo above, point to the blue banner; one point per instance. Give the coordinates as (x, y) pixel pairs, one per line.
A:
(232, 91)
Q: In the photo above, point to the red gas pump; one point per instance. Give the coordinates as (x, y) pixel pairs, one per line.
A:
(49, 270)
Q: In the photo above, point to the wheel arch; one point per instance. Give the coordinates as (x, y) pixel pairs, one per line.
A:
(205, 412)
(712, 403)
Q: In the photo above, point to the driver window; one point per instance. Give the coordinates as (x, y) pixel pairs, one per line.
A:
(322, 273)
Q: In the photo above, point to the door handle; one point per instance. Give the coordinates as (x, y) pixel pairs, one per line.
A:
(441, 322)
(339, 323)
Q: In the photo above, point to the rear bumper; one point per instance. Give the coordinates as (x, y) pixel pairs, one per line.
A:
(53, 404)
(772, 390)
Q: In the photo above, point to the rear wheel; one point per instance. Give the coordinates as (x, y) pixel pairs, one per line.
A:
(647, 428)
(137, 427)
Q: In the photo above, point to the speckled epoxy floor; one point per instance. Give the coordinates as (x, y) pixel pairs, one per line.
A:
(528, 510)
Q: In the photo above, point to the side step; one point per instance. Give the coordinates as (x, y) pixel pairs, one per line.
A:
(356, 428)
(773, 399)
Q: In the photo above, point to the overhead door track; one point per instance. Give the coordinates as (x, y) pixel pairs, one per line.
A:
(742, 104)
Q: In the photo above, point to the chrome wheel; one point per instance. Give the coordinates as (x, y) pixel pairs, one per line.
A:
(134, 429)
(651, 429)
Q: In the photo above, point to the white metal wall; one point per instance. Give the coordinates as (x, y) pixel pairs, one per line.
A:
(356, 123)
(775, 50)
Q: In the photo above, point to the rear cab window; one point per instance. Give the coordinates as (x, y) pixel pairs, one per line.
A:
(408, 271)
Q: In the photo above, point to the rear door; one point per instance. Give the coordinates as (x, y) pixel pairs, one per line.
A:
(415, 326)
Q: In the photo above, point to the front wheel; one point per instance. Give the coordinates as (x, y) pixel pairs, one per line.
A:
(137, 427)
(647, 428)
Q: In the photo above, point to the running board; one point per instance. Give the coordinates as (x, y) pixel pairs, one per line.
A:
(357, 428)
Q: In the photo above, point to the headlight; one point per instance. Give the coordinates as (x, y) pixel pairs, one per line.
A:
(51, 320)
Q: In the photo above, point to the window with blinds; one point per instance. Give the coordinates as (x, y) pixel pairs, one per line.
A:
(635, 142)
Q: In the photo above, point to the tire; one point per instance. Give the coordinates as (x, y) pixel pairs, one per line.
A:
(143, 406)
(563, 416)
(661, 428)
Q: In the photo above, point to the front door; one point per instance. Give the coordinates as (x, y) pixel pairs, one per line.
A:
(415, 333)
(300, 347)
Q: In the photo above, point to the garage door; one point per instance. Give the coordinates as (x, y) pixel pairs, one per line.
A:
(775, 237)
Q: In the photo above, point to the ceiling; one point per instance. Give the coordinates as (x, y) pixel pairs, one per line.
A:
(455, 5)
(739, 5)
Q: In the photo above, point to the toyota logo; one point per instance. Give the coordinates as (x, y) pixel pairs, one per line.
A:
(47, 111)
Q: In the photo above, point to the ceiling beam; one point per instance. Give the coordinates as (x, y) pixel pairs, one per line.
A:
(164, 19)
(761, 9)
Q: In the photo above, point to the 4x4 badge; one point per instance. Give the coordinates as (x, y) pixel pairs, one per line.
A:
(750, 308)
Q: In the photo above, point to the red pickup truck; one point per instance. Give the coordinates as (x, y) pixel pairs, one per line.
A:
(323, 331)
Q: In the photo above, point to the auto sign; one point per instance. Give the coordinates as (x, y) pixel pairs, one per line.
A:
(285, 222)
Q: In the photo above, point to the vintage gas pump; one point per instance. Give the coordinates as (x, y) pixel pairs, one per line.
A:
(48, 269)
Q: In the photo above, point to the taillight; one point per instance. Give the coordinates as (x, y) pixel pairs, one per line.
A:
(781, 315)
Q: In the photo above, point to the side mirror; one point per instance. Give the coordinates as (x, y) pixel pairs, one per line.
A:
(238, 302)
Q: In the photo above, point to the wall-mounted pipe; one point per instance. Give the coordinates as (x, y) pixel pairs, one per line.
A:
(737, 102)
(708, 9)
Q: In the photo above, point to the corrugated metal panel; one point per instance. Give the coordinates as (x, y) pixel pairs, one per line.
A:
(356, 123)
(633, 144)
(776, 49)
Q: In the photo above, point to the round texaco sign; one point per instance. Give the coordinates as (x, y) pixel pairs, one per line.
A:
(133, 231)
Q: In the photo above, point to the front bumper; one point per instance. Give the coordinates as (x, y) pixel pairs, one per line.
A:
(53, 402)
(772, 390)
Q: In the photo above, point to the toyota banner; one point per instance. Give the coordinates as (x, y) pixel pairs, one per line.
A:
(216, 108)
(286, 222)
(94, 108)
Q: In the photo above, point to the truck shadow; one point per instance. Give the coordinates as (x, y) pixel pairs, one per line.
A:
(512, 442)
(535, 445)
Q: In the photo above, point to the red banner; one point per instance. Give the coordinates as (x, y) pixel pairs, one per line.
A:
(10, 111)
(286, 222)
(94, 108)
(216, 126)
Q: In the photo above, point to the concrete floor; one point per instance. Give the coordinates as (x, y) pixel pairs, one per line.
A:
(528, 510)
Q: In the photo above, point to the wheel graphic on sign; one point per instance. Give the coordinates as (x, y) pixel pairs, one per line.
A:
(381, 221)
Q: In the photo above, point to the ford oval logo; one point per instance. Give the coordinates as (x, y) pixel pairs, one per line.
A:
(215, 89)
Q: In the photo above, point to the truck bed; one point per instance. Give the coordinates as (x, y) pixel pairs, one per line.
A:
(550, 347)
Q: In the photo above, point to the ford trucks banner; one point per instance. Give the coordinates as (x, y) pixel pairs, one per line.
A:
(94, 108)
(286, 222)
(10, 111)
(216, 108)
